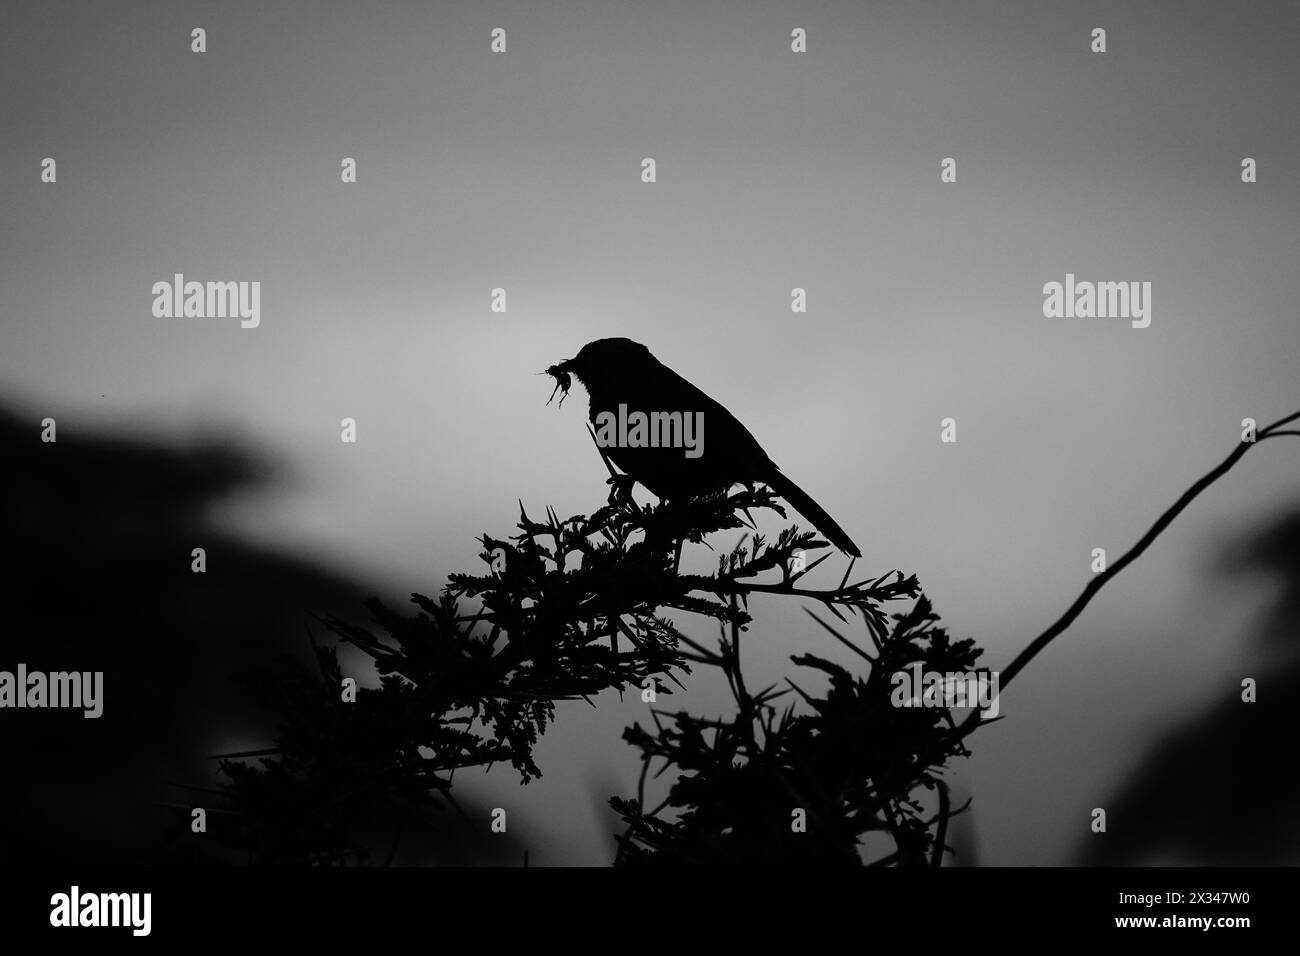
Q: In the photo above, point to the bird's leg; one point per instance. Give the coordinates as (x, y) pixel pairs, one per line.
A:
(620, 484)
(620, 488)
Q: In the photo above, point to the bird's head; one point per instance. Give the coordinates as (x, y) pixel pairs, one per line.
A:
(597, 362)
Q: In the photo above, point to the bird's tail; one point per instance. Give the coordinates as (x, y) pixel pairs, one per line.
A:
(812, 511)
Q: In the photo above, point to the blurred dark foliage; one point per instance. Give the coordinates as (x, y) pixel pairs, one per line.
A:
(1219, 790)
(570, 608)
(95, 573)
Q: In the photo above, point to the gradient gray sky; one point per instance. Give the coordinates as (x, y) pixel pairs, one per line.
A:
(775, 170)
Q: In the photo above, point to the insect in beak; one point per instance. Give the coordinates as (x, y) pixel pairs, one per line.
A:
(563, 382)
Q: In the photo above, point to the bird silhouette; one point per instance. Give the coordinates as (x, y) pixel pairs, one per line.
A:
(622, 377)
